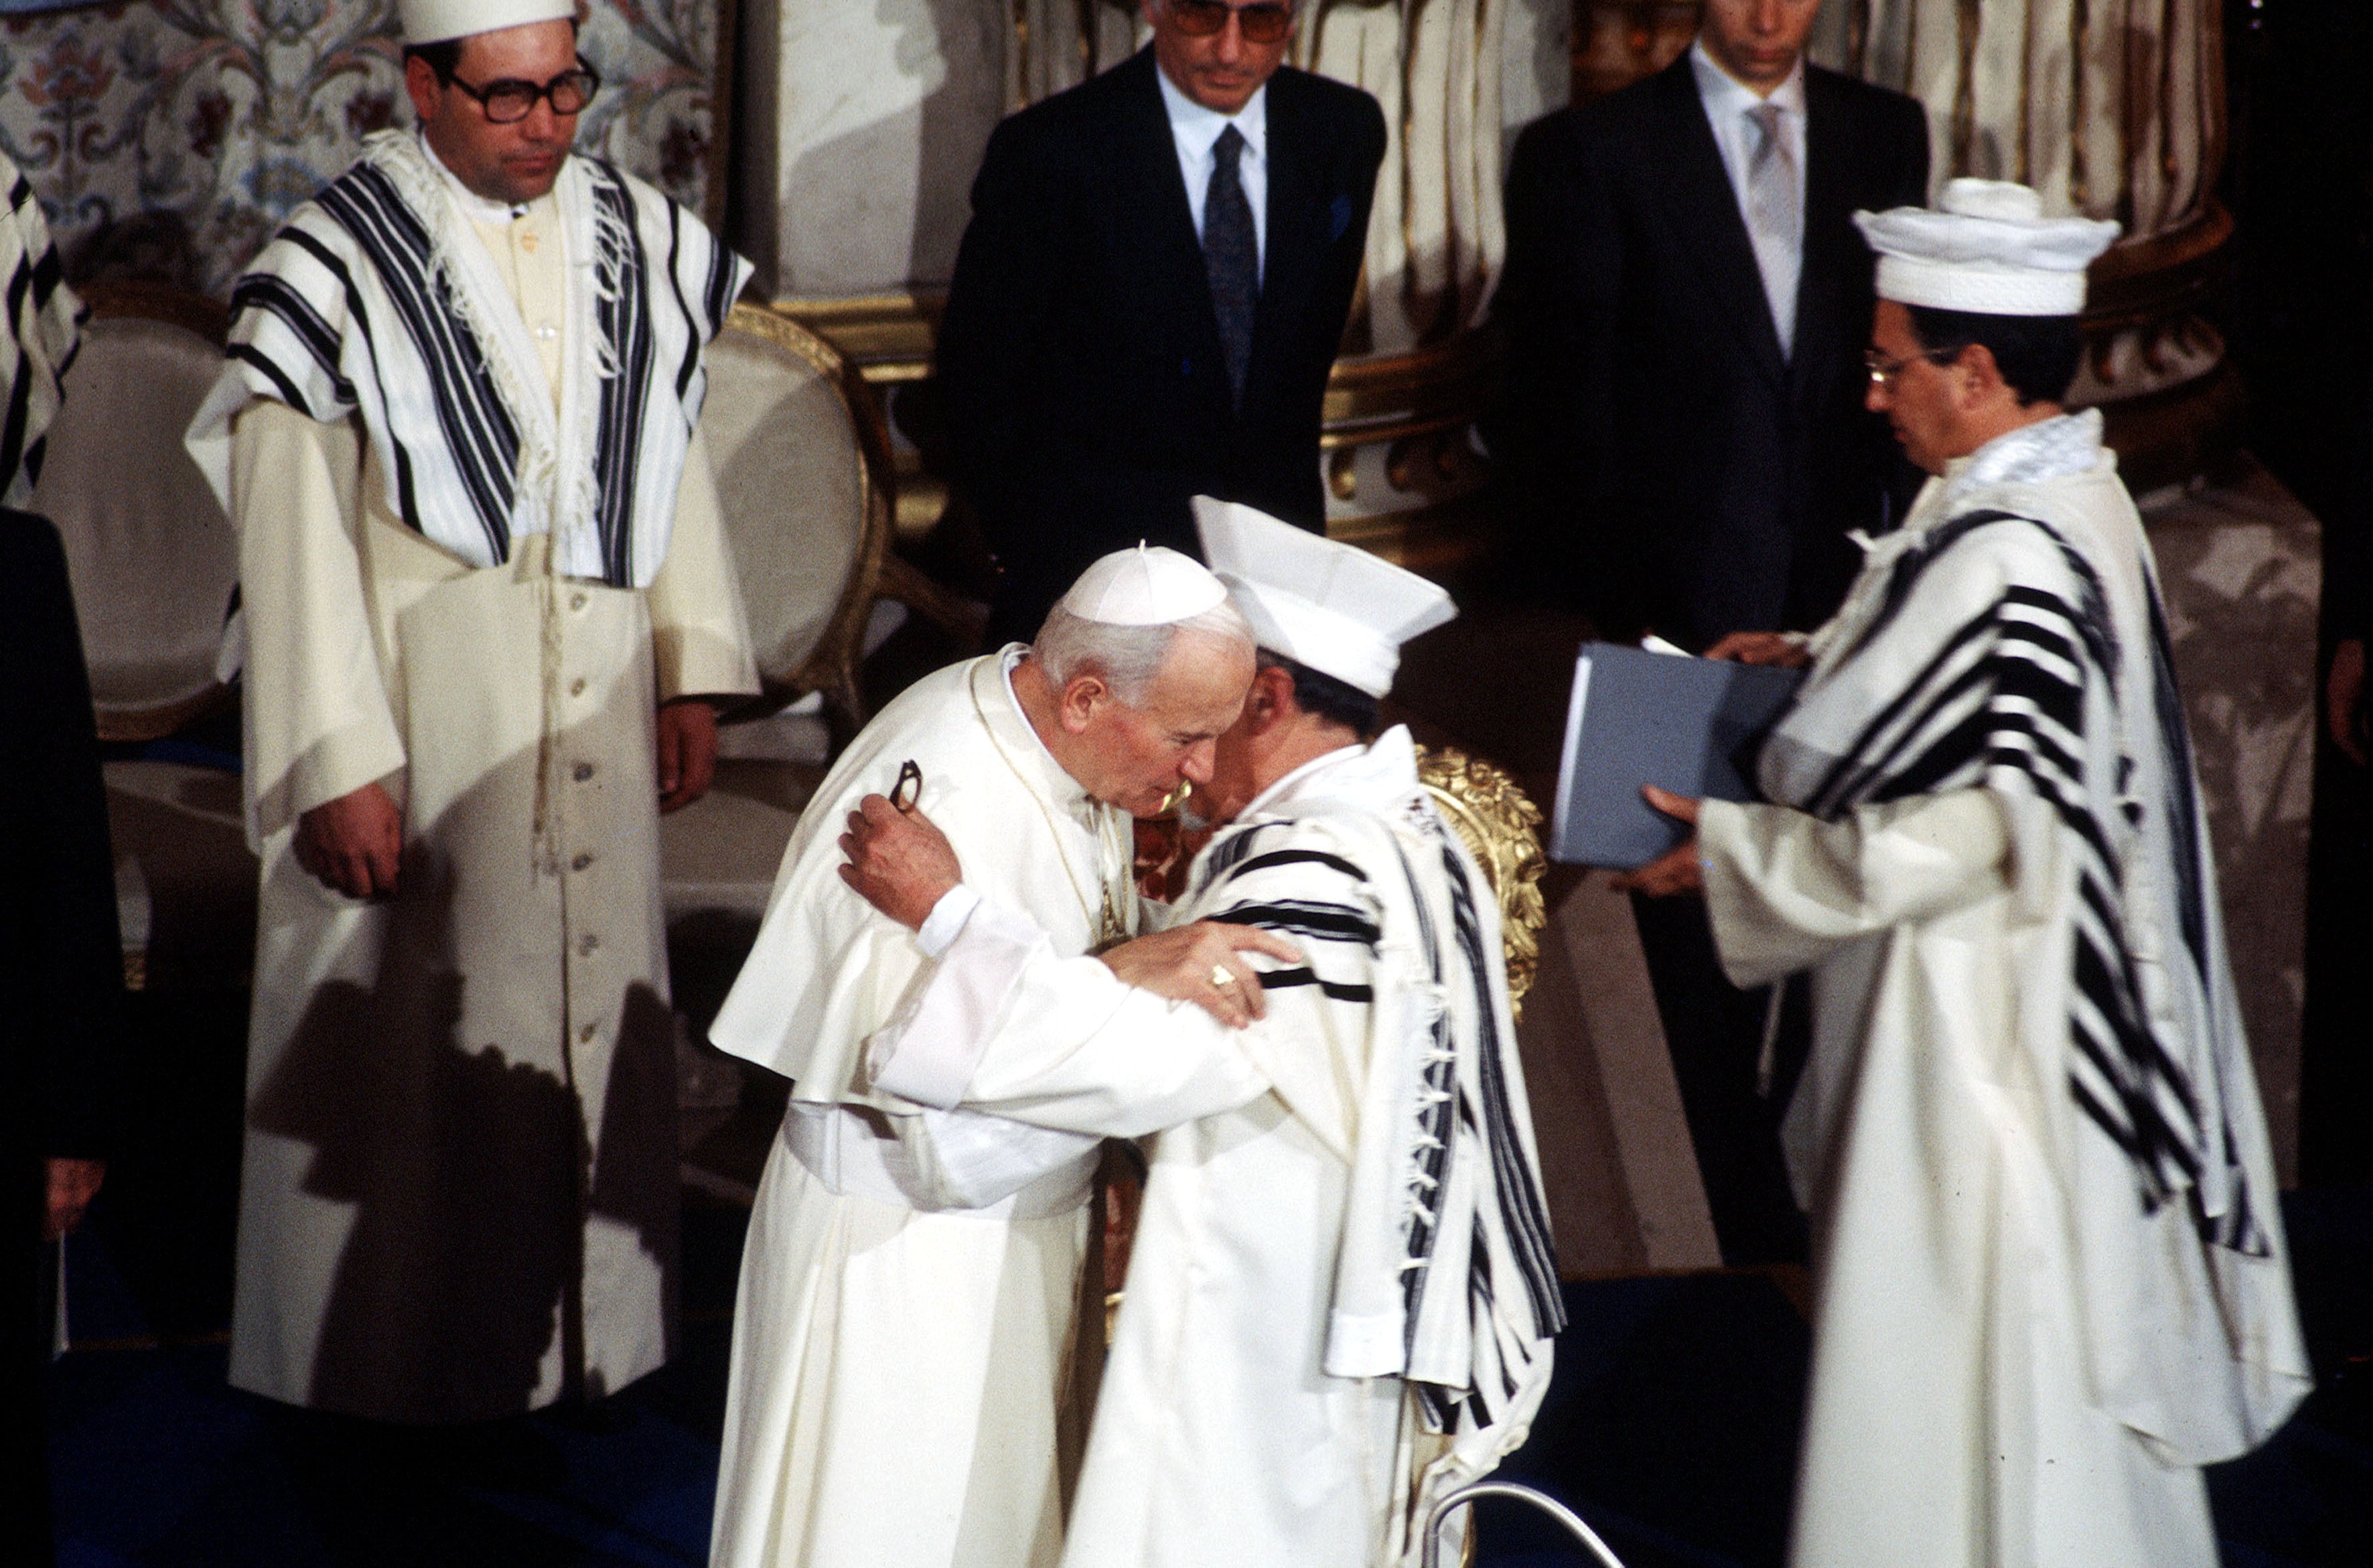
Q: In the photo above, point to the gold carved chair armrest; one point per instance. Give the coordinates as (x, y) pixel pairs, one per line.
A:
(1501, 828)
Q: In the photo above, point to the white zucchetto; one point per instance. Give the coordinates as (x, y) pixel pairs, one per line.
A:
(1985, 248)
(434, 21)
(1149, 586)
(1333, 608)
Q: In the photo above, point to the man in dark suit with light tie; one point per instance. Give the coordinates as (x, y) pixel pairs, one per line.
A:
(1150, 296)
(1686, 304)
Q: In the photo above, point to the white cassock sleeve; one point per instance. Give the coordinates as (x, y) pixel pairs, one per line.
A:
(700, 636)
(1784, 889)
(1003, 1024)
(320, 724)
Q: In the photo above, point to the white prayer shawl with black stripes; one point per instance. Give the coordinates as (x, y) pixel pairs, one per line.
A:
(1446, 1276)
(2011, 638)
(44, 327)
(378, 298)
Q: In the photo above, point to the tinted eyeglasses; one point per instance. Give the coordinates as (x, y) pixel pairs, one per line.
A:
(1884, 369)
(510, 100)
(1265, 22)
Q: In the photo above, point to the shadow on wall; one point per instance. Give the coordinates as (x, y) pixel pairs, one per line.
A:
(882, 164)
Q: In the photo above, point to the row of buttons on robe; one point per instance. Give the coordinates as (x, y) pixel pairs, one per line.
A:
(583, 772)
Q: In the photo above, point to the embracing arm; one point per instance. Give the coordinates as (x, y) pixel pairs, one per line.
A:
(1005, 1024)
(1000, 1021)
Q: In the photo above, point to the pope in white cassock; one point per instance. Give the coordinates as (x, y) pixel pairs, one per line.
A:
(1342, 1293)
(486, 593)
(903, 1336)
(2051, 1276)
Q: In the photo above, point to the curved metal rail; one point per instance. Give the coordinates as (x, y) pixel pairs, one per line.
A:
(1565, 1515)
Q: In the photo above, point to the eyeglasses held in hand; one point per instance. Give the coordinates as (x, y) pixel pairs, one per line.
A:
(510, 100)
(1265, 22)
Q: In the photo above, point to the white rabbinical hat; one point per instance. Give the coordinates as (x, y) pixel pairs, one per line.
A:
(1147, 586)
(434, 21)
(1333, 608)
(1985, 248)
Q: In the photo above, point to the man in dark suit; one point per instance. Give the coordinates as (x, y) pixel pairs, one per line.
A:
(1687, 303)
(1149, 296)
(61, 977)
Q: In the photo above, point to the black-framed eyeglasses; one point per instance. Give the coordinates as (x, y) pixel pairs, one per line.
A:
(510, 100)
(1884, 369)
(1265, 21)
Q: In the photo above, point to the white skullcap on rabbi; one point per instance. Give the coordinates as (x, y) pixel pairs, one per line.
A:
(1147, 586)
(1985, 248)
(434, 21)
(1333, 608)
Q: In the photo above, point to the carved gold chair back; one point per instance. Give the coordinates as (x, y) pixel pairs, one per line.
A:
(1501, 828)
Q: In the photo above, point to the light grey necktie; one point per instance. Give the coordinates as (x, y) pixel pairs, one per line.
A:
(1775, 219)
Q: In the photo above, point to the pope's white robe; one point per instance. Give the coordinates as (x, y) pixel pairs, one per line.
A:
(1219, 1435)
(903, 1332)
(458, 1196)
(2017, 1364)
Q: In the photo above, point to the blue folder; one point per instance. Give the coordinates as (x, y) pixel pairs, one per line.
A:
(1688, 725)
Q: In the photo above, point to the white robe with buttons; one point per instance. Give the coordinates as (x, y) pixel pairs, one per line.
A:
(459, 1192)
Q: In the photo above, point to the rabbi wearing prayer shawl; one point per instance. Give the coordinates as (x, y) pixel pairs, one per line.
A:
(1341, 1295)
(2052, 1281)
(486, 596)
(902, 1337)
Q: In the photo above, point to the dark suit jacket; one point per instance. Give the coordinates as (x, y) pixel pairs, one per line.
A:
(61, 963)
(1687, 477)
(1079, 362)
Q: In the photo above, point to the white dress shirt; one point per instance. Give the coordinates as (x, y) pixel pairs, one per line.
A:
(1194, 128)
(1729, 102)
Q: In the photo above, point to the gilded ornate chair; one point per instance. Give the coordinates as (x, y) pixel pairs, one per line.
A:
(1501, 828)
(154, 565)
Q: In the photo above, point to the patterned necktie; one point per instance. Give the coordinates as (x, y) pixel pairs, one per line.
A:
(1775, 220)
(1232, 255)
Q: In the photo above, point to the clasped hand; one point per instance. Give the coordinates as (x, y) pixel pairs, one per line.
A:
(902, 864)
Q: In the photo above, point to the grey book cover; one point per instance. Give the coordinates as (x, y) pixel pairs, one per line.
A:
(1687, 725)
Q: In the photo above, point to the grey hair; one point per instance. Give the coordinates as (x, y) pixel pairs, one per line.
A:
(1128, 657)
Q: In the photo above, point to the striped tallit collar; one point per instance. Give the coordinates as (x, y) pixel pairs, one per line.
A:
(478, 208)
(1369, 778)
(2049, 449)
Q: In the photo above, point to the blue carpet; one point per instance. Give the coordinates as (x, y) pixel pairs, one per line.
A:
(1671, 1426)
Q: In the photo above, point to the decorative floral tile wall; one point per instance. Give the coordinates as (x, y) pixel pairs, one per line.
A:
(169, 137)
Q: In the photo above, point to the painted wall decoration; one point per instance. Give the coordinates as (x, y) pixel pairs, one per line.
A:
(169, 137)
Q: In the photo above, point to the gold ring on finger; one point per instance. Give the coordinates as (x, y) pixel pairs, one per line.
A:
(1221, 978)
